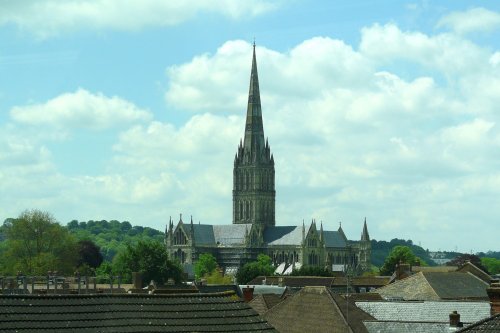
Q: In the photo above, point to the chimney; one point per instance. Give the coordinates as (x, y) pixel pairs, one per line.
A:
(247, 293)
(494, 295)
(455, 319)
(402, 270)
(137, 280)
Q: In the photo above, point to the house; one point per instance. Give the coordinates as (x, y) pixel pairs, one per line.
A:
(316, 309)
(421, 316)
(221, 312)
(338, 283)
(434, 286)
(488, 325)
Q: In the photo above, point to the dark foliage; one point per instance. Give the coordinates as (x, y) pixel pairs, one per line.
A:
(251, 270)
(462, 259)
(89, 253)
(151, 259)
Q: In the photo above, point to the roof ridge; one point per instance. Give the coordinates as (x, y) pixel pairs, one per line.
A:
(482, 321)
(221, 294)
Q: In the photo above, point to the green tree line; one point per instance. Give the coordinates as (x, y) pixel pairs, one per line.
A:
(381, 250)
(35, 243)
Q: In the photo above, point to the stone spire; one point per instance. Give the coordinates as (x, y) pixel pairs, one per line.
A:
(341, 231)
(253, 173)
(254, 129)
(365, 236)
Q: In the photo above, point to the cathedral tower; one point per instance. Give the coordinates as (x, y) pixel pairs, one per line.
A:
(253, 173)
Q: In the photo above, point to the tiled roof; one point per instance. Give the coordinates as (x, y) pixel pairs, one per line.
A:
(434, 311)
(476, 271)
(428, 286)
(488, 325)
(439, 269)
(283, 235)
(227, 234)
(362, 281)
(263, 302)
(315, 309)
(406, 327)
(455, 285)
(203, 233)
(294, 281)
(128, 313)
(334, 239)
(218, 288)
(231, 234)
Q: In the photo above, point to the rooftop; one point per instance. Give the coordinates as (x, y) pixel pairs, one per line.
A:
(222, 312)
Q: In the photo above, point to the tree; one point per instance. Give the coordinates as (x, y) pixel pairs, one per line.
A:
(36, 243)
(464, 258)
(216, 277)
(151, 259)
(105, 269)
(206, 264)
(251, 270)
(398, 254)
(89, 253)
(492, 264)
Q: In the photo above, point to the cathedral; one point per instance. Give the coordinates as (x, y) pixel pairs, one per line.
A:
(254, 230)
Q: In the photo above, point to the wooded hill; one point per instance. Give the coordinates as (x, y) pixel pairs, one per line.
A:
(113, 235)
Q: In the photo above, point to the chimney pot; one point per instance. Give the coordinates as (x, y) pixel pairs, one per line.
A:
(248, 293)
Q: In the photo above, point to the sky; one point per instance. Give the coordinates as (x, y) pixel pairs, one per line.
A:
(133, 110)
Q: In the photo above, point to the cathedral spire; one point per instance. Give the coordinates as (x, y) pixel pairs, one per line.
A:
(253, 173)
(254, 129)
(365, 236)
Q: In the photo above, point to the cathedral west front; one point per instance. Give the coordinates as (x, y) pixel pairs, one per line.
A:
(253, 229)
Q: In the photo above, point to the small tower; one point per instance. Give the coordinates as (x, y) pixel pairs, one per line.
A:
(253, 172)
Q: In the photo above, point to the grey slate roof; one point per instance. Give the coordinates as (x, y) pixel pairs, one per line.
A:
(225, 235)
(434, 311)
(283, 235)
(453, 285)
(434, 286)
(334, 239)
(231, 234)
(263, 302)
(315, 309)
(203, 233)
(128, 313)
(488, 325)
(406, 327)
(234, 234)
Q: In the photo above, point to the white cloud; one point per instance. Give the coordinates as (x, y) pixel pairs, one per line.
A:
(47, 18)
(352, 136)
(469, 134)
(448, 54)
(472, 20)
(80, 109)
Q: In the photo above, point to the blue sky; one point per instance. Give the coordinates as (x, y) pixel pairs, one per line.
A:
(133, 110)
